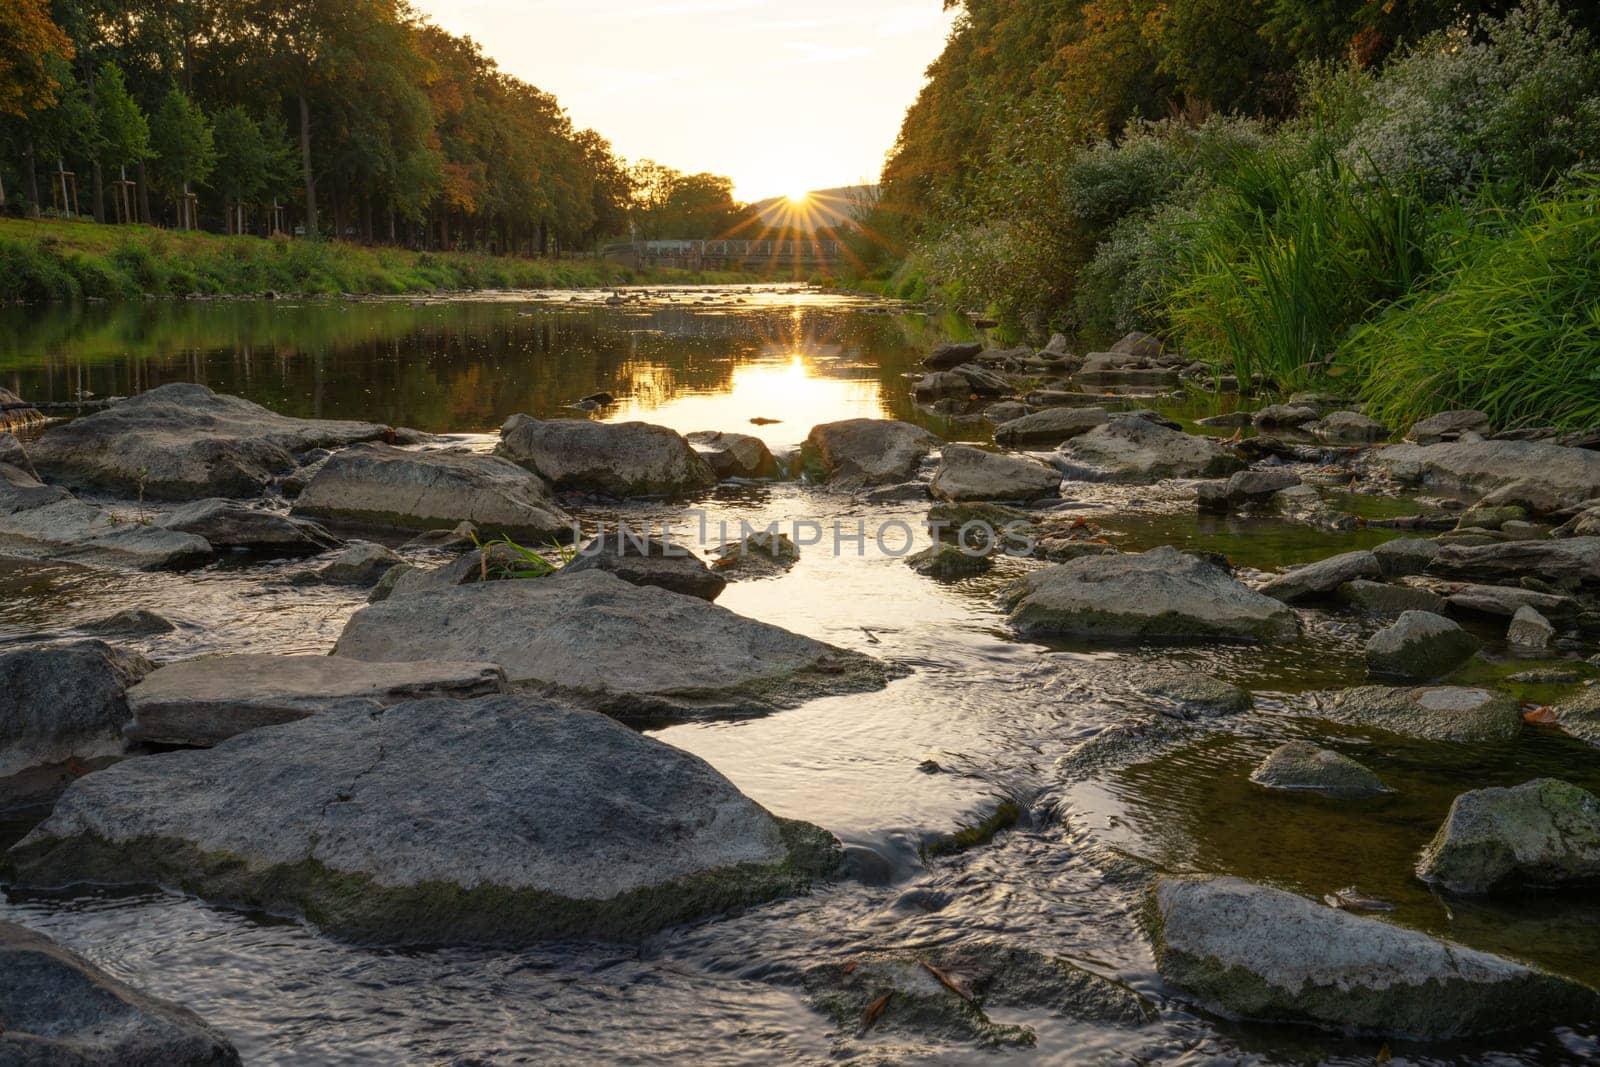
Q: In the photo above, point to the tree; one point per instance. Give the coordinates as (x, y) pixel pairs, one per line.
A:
(185, 150)
(124, 131)
(27, 37)
(242, 163)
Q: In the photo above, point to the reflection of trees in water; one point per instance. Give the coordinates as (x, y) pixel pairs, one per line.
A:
(458, 366)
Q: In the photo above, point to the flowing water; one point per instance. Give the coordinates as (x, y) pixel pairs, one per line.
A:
(991, 713)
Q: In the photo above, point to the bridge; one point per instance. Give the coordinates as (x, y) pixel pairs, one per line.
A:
(729, 255)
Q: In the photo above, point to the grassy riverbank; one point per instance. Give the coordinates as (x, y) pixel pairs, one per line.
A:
(52, 260)
(1423, 233)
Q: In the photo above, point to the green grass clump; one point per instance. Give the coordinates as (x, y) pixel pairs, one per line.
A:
(1510, 326)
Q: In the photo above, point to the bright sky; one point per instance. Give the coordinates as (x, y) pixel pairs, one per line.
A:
(783, 96)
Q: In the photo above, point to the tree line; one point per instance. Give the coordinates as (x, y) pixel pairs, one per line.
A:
(348, 118)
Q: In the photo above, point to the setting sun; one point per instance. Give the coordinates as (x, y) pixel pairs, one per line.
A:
(798, 198)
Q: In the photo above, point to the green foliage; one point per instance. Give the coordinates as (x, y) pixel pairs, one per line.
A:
(183, 143)
(1510, 326)
(523, 562)
(124, 132)
(243, 159)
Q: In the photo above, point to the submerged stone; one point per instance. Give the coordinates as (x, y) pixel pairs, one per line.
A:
(1160, 594)
(1430, 713)
(1544, 832)
(58, 1008)
(1300, 765)
(632, 651)
(537, 822)
(1252, 952)
(184, 442)
(1419, 647)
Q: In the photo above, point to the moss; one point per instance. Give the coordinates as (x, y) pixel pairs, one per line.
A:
(356, 908)
(1007, 815)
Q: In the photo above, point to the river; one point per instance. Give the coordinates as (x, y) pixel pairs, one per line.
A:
(990, 712)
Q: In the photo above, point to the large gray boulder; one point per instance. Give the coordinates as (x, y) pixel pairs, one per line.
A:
(632, 651)
(1160, 594)
(651, 562)
(1505, 601)
(953, 353)
(1381, 598)
(1252, 952)
(862, 452)
(969, 473)
(208, 700)
(387, 488)
(1050, 426)
(1545, 832)
(63, 701)
(1300, 766)
(230, 524)
(501, 820)
(1419, 647)
(1322, 577)
(1138, 451)
(1476, 468)
(46, 521)
(735, 455)
(184, 442)
(1448, 426)
(60, 1009)
(1349, 428)
(1571, 563)
(1429, 713)
(625, 459)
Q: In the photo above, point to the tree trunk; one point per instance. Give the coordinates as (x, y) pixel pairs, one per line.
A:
(99, 194)
(33, 179)
(305, 164)
(145, 214)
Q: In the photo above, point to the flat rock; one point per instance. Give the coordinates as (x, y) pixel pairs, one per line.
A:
(632, 651)
(1284, 416)
(1182, 694)
(968, 473)
(1349, 428)
(1504, 601)
(1545, 832)
(492, 563)
(1476, 468)
(1322, 577)
(63, 701)
(1381, 598)
(653, 562)
(61, 1009)
(1050, 426)
(1579, 714)
(1253, 952)
(1138, 451)
(205, 701)
(46, 521)
(1160, 594)
(1300, 766)
(184, 442)
(625, 459)
(1419, 647)
(1406, 556)
(1429, 713)
(537, 822)
(1448, 426)
(862, 452)
(953, 353)
(735, 455)
(380, 487)
(1571, 563)
(230, 524)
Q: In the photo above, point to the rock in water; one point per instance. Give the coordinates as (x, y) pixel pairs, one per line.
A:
(184, 442)
(1380, 598)
(228, 524)
(618, 459)
(385, 488)
(1530, 630)
(1323, 577)
(1050, 427)
(953, 353)
(61, 1009)
(47, 521)
(1252, 952)
(1419, 647)
(1449, 425)
(1349, 428)
(1579, 715)
(1544, 832)
(862, 452)
(1139, 451)
(208, 700)
(1431, 713)
(968, 473)
(654, 562)
(735, 455)
(362, 563)
(1566, 475)
(1160, 594)
(1300, 765)
(15, 413)
(501, 820)
(61, 701)
(948, 563)
(632, 651)
(1572, 563)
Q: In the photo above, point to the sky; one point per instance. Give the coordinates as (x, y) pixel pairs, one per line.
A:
(783, 96)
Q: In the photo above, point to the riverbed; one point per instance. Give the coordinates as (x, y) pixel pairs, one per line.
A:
(979, 719)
